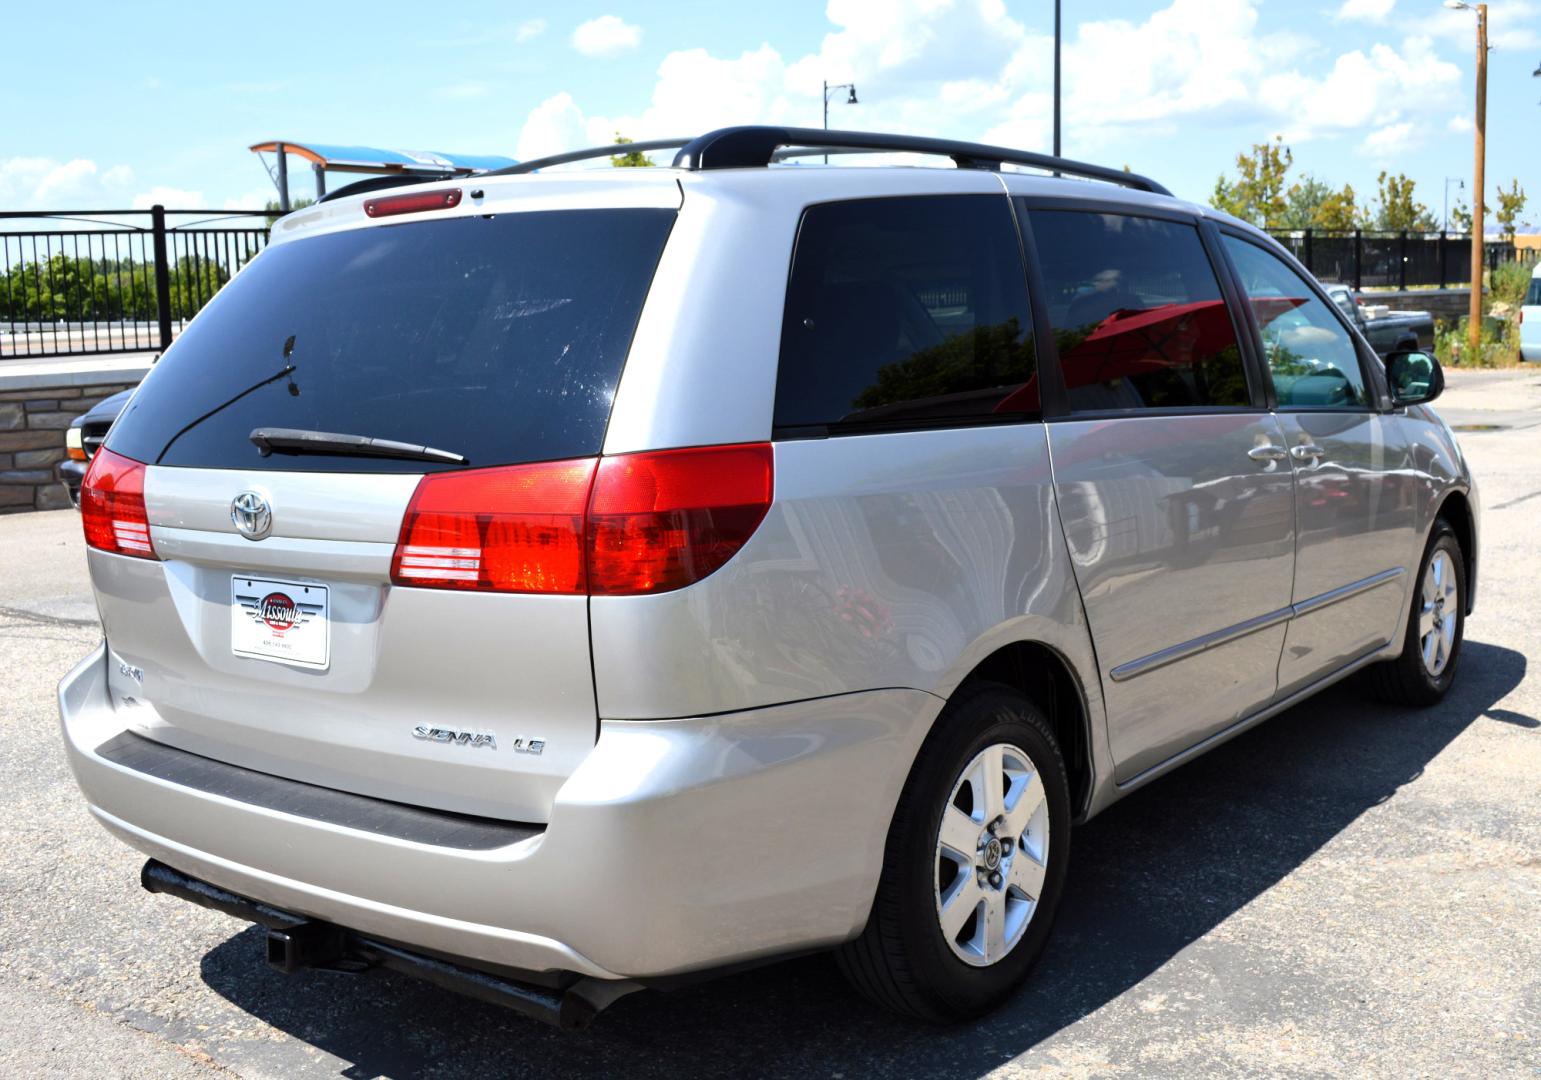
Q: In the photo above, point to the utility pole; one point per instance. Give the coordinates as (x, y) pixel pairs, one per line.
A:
(1056, 79)
(1479, 186)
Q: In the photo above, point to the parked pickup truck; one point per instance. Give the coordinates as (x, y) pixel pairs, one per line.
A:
(1394, 331)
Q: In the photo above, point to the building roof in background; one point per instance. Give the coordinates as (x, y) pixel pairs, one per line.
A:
(368, 159)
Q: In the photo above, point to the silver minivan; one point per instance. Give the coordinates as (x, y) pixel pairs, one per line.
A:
(557, 583)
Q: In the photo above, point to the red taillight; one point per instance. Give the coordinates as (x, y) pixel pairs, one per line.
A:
(112, 506)
(512, 529)
(412, 204)
(661, 520)
(655, 521)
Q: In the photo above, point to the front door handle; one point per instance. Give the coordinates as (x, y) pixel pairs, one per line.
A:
(1267, 452)
(1307, 452)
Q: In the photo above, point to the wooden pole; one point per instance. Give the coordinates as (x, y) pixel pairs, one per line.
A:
(1474, 318)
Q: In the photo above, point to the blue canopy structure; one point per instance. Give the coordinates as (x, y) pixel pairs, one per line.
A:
(368, 159)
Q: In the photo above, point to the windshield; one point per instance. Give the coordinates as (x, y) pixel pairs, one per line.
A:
(500, 337)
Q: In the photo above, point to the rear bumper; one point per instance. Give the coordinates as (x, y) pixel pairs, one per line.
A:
(675, 846)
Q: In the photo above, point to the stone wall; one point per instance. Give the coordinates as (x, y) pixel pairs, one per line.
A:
(1447, 304)
(32, 426)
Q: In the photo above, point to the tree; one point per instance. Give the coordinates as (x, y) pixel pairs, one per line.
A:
(1257, 194)
(1511, 204)
(1338, 211)
(634, 159)
(1301, 202)
(1460, 216)
(274, 212)
(1396, 209)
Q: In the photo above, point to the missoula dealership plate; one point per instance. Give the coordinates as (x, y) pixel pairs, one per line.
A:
(284, 621)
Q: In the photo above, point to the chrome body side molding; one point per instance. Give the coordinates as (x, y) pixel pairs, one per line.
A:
(1197, 645)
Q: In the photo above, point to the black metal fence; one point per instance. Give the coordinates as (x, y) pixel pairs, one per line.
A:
(83, 282)
(1396, 260)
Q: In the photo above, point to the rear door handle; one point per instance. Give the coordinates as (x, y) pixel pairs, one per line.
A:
(1267, 452)
(1306, 452)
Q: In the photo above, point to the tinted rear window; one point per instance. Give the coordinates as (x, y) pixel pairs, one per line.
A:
(1534, 296)
(906, 312)
(499, 338)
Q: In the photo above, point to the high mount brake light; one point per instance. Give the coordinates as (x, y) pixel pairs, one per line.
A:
(112, 506)
(414, 203)
(624, 525)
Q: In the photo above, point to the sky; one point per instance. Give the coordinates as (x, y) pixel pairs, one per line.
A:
(114, 105)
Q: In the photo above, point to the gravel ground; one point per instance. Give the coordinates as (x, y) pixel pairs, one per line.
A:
(1348, 889)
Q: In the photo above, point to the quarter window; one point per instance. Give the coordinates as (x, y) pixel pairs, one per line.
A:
(906, 312)
(1311, 356)
(1138, 316)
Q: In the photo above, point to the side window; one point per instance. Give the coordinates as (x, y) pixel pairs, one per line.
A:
(1311, 357)
(1137, 313)
(906, 312)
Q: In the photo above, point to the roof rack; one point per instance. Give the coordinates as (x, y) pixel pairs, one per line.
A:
(375, 183)
(750, 147)
(584, 155)
(757, 147)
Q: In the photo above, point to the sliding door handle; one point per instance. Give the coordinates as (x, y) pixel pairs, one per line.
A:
(1307, 452)
(1267, 452)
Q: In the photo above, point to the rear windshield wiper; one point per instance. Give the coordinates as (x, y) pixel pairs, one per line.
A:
(300, 441)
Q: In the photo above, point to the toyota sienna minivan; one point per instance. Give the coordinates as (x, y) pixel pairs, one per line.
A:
(555, 583)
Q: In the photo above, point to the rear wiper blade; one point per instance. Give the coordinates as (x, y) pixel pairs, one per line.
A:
(301, 441)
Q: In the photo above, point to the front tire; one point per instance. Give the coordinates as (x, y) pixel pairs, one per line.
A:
(974, 866)
(1436, 625)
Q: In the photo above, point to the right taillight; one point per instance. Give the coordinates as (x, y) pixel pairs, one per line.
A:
(517, 528)
(654, 522)
(661, 520)
(112, 506)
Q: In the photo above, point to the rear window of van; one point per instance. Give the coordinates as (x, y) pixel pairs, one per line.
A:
(500, 338)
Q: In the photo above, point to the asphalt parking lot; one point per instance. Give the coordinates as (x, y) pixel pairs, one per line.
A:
(1350, 889)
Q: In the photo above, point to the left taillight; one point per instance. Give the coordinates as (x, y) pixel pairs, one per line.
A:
(112, 506)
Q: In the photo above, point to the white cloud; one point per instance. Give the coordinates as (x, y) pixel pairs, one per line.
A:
(554, 125)
(1459, 124)
(608, 35)
(1512, 24)
(530, 28)
(169, 197)
(40, 183)
(1367, 10)
(968, 68)
(462, 91)
(1387, 142)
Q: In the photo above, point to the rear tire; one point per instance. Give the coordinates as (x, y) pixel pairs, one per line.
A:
(1436, 625)
(955, 927)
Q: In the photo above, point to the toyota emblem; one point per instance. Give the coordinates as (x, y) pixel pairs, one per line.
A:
(251, 514)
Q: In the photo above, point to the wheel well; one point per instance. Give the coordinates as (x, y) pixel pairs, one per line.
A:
(1457, 511)
(1049, 682)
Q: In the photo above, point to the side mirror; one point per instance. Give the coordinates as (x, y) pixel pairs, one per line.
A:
(1415, 378)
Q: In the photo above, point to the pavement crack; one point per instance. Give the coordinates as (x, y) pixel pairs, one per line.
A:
(41, 619)
(1512, 502)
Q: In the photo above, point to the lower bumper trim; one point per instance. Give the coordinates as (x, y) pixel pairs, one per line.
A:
(296, 942)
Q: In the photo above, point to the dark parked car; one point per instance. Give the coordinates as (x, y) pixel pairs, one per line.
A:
(1393, 332)
(85, 434)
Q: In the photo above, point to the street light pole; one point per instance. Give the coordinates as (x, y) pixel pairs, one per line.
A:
(1460, 186)
(851, 100)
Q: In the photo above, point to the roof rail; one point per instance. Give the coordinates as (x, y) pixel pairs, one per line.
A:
(752, 147)
(584, 155)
